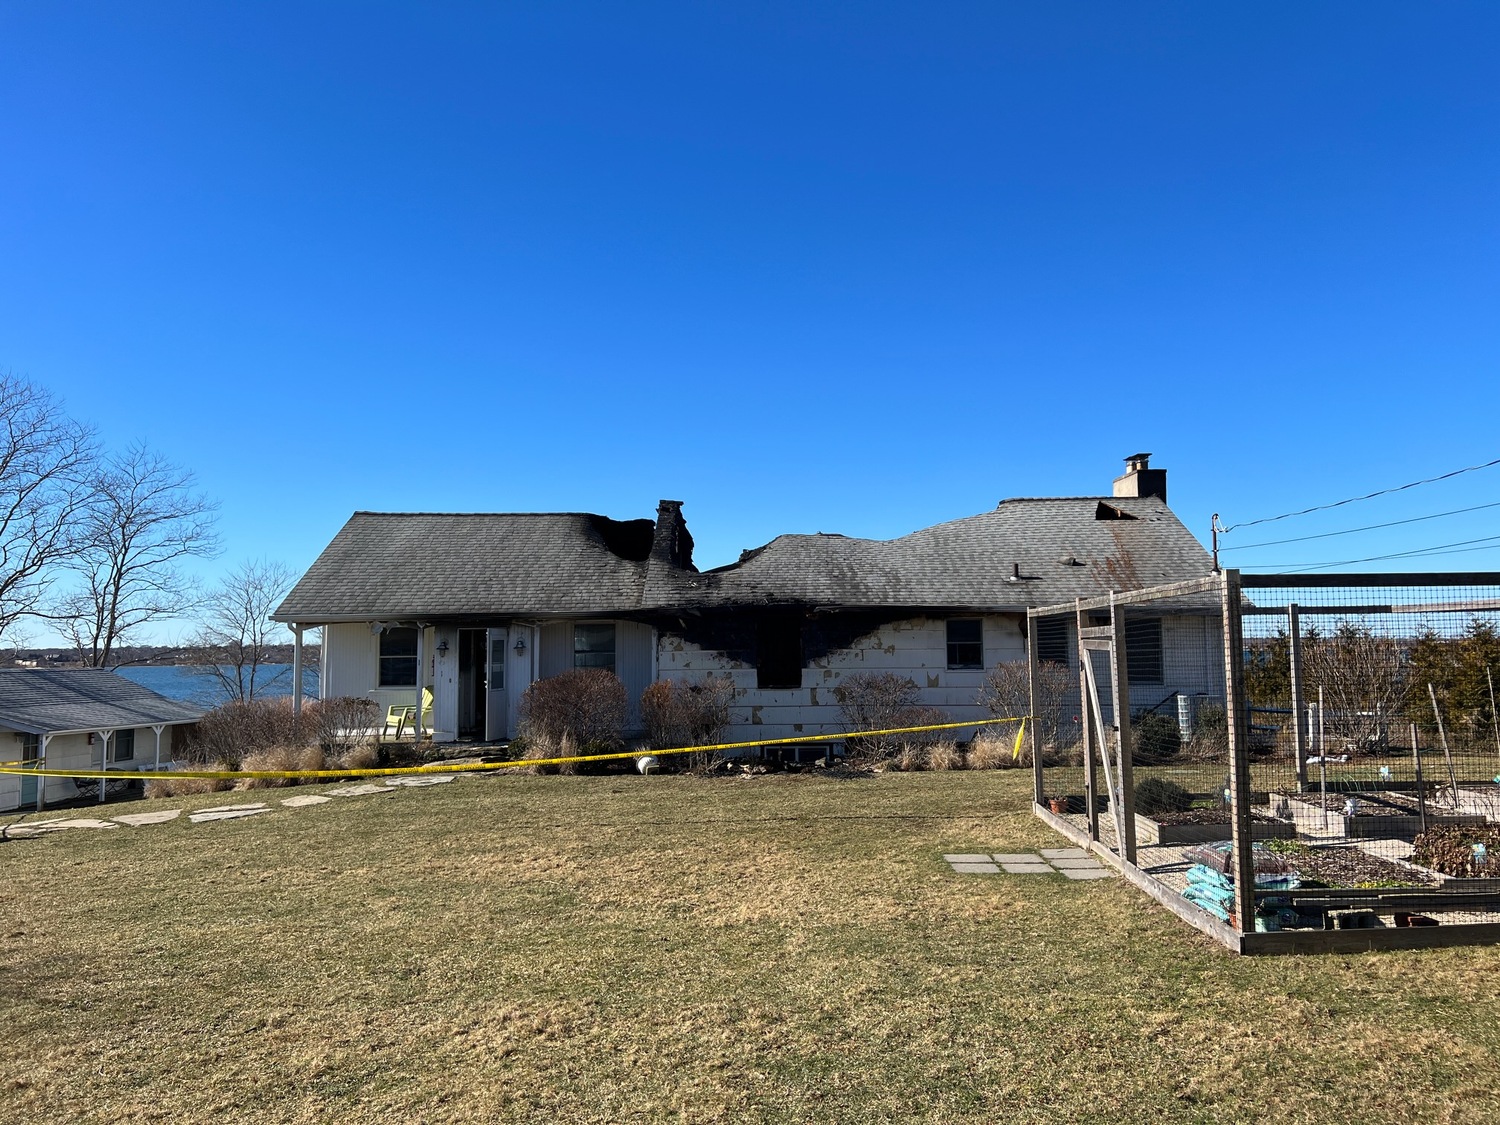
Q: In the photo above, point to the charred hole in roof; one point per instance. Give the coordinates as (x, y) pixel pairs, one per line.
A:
(1110, 512)
(626, 539)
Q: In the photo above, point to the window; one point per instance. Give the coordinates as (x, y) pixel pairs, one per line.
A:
(497, 664)
(1143, 659)
(966, 643)
(122, 746)
(778, 652)
(594, 646)
(1051, 639)
(31, 746)
(398, 658)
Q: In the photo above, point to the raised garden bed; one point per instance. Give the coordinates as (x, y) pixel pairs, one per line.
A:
(1379, 816)
(1196, 826)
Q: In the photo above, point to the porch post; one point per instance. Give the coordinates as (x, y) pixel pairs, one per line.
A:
(296, 668)
(104, 737)
(421, 676)
(158, 728)
(41, 782)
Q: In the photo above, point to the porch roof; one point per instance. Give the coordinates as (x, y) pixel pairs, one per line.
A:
(60, 700)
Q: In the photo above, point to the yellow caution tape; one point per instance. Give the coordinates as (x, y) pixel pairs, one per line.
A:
(446, 767)
(1015, 755)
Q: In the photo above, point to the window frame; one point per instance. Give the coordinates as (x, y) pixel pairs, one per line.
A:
(974, 647)
(1056, 641)
(114, 745)
(397, 661)
(1145, 657)
(613, 651)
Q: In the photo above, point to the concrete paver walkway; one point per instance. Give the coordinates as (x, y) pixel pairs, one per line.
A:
(1074, 863)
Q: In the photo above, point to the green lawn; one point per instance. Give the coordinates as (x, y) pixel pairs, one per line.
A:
(780, 948)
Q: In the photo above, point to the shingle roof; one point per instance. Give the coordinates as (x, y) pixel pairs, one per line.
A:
(44, 700)
(434, 565)
(1023, 553)
(397, 565)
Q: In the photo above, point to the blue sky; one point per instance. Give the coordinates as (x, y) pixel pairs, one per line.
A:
(842, 267)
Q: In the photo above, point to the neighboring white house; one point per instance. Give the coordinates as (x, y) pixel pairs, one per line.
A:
(485, 604)
(80, 718)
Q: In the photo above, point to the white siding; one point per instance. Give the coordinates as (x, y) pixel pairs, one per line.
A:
(556, 655)
(351, 665)
(916, 648)
(74, 751)
(635, 659)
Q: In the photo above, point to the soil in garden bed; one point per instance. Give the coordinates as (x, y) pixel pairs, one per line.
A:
(1200, 816)
(1349, 867)
(1370, 804)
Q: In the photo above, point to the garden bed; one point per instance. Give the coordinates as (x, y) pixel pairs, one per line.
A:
(1378, 816)
(1194, 826)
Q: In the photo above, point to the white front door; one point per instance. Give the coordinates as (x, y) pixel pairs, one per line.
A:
(497, 698)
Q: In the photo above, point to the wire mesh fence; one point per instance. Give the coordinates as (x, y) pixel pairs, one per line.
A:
(1326, 758)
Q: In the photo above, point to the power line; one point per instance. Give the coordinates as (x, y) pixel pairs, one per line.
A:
(1440, 549)
(1353, 530)
(1367, 496)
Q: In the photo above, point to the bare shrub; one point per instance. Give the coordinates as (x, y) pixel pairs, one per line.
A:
(677, 713)
(587, 704)
(944, 756)
(1210, 741)
(883, 701)
(1007, 694)
(242, 727)
(345, 722)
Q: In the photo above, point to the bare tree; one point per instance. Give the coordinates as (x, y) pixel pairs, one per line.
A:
(143, 519)
(46, 466)
(237, 637)
(1364, 677)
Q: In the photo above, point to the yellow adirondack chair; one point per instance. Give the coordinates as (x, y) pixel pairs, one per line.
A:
(399, 715)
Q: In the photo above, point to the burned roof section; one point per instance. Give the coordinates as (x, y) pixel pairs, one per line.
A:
(1023, 553)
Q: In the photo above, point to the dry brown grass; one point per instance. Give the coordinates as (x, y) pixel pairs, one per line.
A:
(994, 750)
(283, 758)
(365, 757)
(675, 948)
(169, 786)
(944, 756)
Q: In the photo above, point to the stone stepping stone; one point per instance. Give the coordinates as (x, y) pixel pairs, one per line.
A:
(1081, 864)
(79, 822)
(1083, 873)
(967, 858)
(232, 812)
(135, 820)
(359, 790)
(418, 782)
(304, 801)
(1037, 868)
(976, 868)
(1064, 853)
(1018, 857)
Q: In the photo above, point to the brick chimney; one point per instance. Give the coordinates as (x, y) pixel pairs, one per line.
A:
(672, 543)
(1142, 480)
